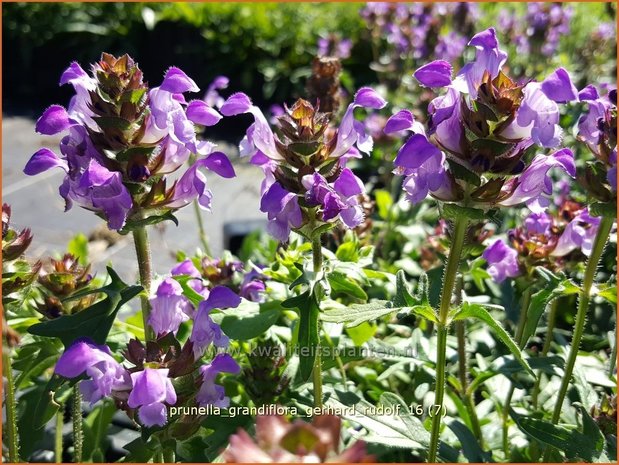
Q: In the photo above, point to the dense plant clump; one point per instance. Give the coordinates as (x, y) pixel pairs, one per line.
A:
(436, 279)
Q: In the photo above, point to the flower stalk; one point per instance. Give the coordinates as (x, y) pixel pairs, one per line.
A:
(552, 317)
(451, 270)
(142, 250)
(599, 243)
(317, 371)
(58, 435)
(78, 426)
(11, 414)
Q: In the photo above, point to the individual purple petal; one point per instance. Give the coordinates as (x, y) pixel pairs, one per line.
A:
(169, 308)
(53, 120)
(192, 186)
(588, 93)
(559, 87)
(578, 234)
(236, 104)
(176, 81)
(154, 414)
(485, 39)
(219, 163)
(369, 98)
(211, 393)
(73, 73)
(206, 332)
(151, 388)
(274, 200)
(347, 184)
(200, 113)
(538, 223)
(434, 74)
(502, 261)
(415, 152)
(43, 160)
(185, 268)
(222, 297)
(401, 121)
(77, 358)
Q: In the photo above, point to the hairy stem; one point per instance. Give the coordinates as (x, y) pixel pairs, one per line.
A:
(451, 270)
(522, 321)
(317, 371)
(142, 250)
(10, 427)
(58, 435)
(78, 427)
(593, 261)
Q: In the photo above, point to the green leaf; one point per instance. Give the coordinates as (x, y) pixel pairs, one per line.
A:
(403, 296)
(96, 426)
(470, 447)
(340, 282)
(573, 443)
(362, 333)
(608, 209)
(453, 211)
(384, 202)
(188, 291)
(468, 310)
(78, 247)
(355, 314)
(132, 224)
(248, 320)
(93, 322)
(608, 292)
(309, 338)
(347, 252)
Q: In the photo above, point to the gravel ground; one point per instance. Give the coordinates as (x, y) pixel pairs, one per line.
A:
(36, 204)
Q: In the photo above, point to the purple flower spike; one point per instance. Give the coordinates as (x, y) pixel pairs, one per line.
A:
(369, 98)
(559, 87)
(434, 74)
(105, 373)
(151, 388)
(236, 104)
(211, 393)
(200, 113)
(176, 81)
(503, 261)
(169, 308)
(43, 160)
(53, 120)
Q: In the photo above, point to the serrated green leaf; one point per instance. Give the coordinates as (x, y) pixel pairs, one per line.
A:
(453, 211)
(468, 310)
(247, 321)
(133, 224)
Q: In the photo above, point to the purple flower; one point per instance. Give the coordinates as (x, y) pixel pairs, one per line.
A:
(106, 374)
(339, 199)
(176, 81)
(538, 223)
(578, 234)
(187, 268)
(211, 393)
(502, 261)
(534, 182)
(152, 390)
(205, 330)
(54, 120)
(169, 308)
(403, 120)
(283, 211)
(212, 97)
(559, 87)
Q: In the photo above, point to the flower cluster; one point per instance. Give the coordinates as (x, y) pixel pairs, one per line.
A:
(481, 131)
(278, 441)
(307, 184)
(122, 140)
(544, 239)
(146, 386)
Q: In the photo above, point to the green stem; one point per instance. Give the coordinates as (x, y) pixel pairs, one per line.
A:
(522, 321)
(552, 318)
(11, 414)
(317, 371)
(58, 435)
(142, 250)
(601, 238)
(201, 229)
(168, 455)
(451, 270)
(78, 427)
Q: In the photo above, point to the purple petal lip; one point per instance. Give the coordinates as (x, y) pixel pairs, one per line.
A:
(177, 82)
(200, 113)
(589, 93)
(401, 121)
(435, 74)
(369, 98)
(43, 160)
(236, 104)
(415, 152)
(53, 120)
(559, 87)
(485, 39)
(219, 163)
